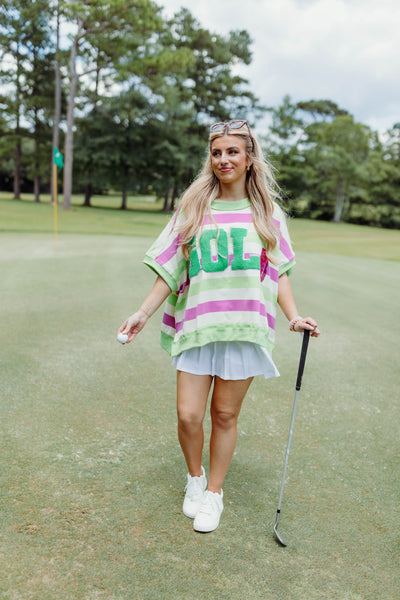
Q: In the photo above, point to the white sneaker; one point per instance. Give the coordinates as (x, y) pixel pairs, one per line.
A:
(194, 489)
(207, 519)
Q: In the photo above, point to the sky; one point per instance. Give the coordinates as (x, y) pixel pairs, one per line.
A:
(347, 51)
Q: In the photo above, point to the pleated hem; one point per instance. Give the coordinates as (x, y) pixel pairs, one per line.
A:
(227, 360)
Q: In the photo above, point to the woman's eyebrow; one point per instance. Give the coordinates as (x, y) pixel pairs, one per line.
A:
(230, 148)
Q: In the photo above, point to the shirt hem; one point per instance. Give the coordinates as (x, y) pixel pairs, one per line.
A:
(246, 333)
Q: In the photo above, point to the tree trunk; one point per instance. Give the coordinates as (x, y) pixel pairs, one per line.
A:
(17, 169)
(57, 101)
(173, 197)
(36, 188)
(340, 197)
(69, 137)
(17, 151)
(36, 161)
(88, 194)
(166, 201)
(124, 198)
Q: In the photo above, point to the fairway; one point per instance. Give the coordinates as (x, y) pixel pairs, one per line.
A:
(92, 475)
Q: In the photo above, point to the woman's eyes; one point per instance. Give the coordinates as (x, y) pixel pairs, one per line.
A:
(218, 153)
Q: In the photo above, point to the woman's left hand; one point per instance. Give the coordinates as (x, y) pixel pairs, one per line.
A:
(307, 323)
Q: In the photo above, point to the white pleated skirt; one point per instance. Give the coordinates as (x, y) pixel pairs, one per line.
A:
(227, 360)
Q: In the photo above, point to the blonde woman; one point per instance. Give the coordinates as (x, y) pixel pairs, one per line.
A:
(222, 264)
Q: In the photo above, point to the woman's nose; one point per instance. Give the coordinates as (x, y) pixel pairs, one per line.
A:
(224, 157)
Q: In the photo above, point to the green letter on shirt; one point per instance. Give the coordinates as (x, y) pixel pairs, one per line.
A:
(207, 262)
(194, 266)
(239, 262)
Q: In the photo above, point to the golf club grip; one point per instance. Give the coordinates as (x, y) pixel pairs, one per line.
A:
(306, 338)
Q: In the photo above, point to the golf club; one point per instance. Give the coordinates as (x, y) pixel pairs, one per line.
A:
(304, 346)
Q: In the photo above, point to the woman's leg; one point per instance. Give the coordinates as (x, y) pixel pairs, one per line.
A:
(192, 394)
(226, 403)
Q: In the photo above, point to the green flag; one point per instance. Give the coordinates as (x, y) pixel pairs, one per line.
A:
(58, 158)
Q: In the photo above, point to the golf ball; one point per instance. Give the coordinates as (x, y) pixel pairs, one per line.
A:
(122, 337)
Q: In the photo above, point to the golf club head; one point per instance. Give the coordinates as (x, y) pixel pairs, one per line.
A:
(278, 536)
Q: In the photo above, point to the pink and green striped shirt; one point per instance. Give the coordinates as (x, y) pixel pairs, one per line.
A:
(228, 289)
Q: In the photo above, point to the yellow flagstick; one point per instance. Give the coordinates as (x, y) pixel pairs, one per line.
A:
(55, 202)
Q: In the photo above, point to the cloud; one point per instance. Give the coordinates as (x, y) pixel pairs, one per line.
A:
(344, 50)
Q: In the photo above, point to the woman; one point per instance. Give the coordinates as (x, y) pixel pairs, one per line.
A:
(223, 264)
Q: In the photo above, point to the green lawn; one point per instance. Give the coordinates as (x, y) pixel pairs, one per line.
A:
(91, 472)
(104, 218)
(143, 218)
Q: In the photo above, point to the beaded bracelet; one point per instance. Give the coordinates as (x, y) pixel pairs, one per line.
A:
(293, 323)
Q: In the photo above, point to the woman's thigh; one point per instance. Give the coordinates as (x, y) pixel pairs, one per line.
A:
(192, 395)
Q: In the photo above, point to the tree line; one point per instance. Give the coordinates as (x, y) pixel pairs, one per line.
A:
(332, 167)
(127, 94)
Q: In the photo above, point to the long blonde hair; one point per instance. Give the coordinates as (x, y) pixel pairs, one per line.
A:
(261, 189)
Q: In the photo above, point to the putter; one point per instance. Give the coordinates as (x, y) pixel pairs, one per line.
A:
(304, 346)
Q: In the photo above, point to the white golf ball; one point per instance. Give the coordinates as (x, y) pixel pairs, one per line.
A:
(122, 337)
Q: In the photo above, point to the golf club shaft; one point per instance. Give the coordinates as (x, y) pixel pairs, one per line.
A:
(288, 449)
(306, 337)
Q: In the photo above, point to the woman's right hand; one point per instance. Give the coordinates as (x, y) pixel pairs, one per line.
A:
(134, 324)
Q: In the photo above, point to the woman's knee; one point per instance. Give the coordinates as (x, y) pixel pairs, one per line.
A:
(224, 418)
(227, 401)
(189, 420)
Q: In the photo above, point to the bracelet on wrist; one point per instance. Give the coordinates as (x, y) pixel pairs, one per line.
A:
(293, 323)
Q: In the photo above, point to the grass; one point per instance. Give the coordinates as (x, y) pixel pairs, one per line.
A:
(91, 472)
(143, 218)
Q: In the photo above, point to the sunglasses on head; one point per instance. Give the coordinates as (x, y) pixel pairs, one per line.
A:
(231, 125)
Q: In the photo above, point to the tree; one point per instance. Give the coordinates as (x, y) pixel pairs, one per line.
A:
(208, 86)
(377, 200)
(203, 89)
(335, 153)
(163, 110)
(112, 149)
(12, 34)
(283, 148)
(38, 109)
(39, 92)
(25, 51)
(322, 156)
(93, 155)
(321, 110)
(6, 162)
(117, 32)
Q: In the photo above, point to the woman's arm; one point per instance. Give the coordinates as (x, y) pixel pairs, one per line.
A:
(288, 306)
(138, 320)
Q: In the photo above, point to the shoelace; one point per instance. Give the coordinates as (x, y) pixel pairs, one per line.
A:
(209, 505)
(194, 488)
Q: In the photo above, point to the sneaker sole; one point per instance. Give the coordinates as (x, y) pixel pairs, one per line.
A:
(205, 530)
(189, 515)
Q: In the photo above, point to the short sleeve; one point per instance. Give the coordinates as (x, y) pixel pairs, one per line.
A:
(165, 255)
(283, 251)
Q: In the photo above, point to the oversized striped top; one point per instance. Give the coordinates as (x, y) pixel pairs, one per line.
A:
(228, 289)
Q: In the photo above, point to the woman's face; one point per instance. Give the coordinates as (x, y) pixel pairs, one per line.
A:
(229, 160)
